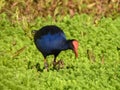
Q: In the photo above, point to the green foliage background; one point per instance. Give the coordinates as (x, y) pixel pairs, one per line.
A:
(99, 68)
(98, 64)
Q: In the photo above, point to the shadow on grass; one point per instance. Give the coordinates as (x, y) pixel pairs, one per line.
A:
(36, 66)
(57, 68)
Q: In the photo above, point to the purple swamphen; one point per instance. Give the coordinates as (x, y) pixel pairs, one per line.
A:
(51, 40)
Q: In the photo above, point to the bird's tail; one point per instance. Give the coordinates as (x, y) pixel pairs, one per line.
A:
(33, 32)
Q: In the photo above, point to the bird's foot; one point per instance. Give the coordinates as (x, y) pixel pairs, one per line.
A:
(58, 65)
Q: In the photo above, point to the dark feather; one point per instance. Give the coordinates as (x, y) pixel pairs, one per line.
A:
(51, 29)
(51, 40)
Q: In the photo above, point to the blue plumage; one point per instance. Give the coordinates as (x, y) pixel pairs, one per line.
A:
(51, 40)
(49, 43)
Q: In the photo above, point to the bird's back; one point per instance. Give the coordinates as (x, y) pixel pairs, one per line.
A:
(50, 39)
(50, 29)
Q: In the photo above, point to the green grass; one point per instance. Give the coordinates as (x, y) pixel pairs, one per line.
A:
(97, 67)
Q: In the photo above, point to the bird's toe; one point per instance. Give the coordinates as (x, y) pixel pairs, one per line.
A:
(58, 65)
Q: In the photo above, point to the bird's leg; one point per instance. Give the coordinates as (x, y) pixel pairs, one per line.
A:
(54, 62)
(59, 64)
(45, 64)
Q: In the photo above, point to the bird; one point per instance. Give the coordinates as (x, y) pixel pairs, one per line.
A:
(51, 40)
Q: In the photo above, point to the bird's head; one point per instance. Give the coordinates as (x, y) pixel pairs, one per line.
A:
(74, 47)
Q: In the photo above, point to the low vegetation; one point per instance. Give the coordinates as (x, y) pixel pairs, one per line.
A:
(94, 23)
(97, 67)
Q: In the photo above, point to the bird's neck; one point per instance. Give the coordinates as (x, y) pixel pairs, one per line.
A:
(67, 45)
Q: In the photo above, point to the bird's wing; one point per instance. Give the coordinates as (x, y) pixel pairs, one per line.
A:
(57, 41)
(51, 42)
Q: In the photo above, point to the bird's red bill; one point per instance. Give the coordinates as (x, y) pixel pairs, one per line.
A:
(75, 44)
